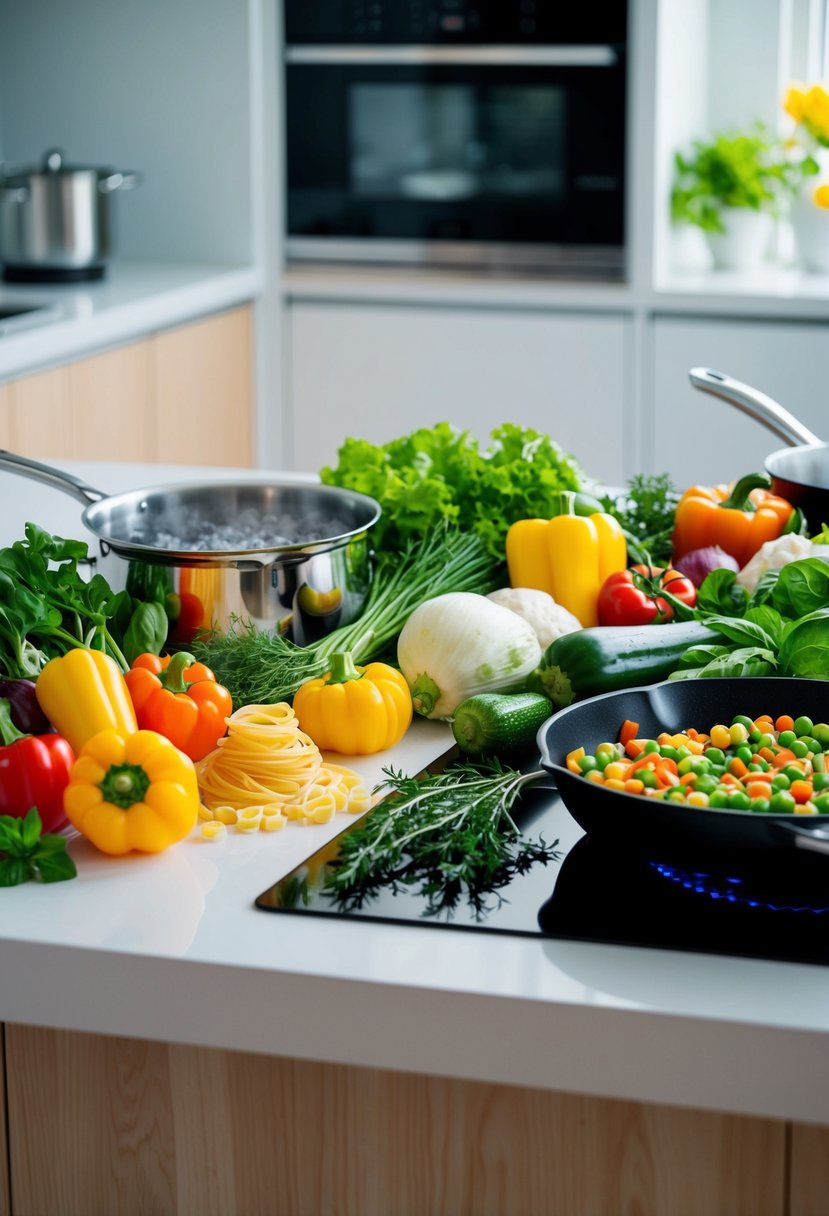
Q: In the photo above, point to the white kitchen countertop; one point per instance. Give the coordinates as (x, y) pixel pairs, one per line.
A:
(171, 947)
(132, 300)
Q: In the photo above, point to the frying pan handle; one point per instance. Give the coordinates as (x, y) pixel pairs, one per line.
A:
(49, 476)
(757, 405)
(815, 840)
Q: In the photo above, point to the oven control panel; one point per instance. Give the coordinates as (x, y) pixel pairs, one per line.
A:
(448, 22)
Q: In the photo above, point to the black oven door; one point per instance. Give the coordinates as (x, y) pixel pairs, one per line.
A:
(478, 155)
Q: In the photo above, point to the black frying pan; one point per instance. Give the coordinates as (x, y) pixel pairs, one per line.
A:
(799, 473)
(640, 823)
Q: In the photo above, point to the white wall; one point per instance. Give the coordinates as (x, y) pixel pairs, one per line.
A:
(161, 86)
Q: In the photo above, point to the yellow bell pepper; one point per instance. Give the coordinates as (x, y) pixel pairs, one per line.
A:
(355, 711)
(568, 556)
(82, 693)
(132, 792)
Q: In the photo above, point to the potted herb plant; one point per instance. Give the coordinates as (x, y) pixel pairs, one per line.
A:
(732, 186)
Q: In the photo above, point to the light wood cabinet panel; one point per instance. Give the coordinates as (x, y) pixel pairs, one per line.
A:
(141, 1128)
(39, 417)
(113, 405)
(203, 391)
(184, 396)
(5, 1200)
(809, 1170)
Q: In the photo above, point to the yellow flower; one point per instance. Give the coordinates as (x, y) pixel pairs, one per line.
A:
(821, 197)
(794, 102)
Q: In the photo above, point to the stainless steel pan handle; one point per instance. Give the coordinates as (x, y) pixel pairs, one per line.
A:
(50, 476)
(757, 405)
(815, 840)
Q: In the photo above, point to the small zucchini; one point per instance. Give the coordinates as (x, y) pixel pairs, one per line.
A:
(609, 657)
(499, 724)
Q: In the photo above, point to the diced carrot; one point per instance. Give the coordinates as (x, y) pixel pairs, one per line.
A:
(801, 791)
(595, 776)
(629, 730)
(765, 753)
(783, 757)
(737, 767)
(688, 779)
(573, 758)
(634, 748)
(692, 733)
(763, 723)
(784, 722)
(758, 789)
(730, 779)
(646, 760)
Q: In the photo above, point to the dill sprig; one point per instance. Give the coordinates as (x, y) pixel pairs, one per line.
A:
(264, 668)
(440, 836)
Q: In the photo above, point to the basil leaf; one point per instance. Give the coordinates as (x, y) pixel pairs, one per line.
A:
(54, 867)
(804, 650)
(686, 673)
(30, 829)
(769, 620)
(698, 656)
(765, 586)
(741, 631)
(13, 871)
(11, 840)
(720, 592)
(803, 587)
(746, 661)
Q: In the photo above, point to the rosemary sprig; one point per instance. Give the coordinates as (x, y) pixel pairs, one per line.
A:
(441, 836)
(264, 668)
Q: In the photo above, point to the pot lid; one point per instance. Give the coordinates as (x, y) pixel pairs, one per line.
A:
(52, 164)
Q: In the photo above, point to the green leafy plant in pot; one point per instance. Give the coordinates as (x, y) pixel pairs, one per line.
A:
(732, 186)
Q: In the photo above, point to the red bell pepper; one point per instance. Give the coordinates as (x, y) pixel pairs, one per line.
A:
(632, 596)
(34, 771)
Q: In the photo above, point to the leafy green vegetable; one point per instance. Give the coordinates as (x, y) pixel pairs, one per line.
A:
(447, 835)
(802, 587)
(646, 513)
(804, 650)
(442, 474)
(26, 854)
(263, 668)
(721, 593)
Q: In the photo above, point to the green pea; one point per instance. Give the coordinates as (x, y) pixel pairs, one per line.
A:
(821, 804)
(587, 764)
(706, 783)
(648, 778)
(685, 766)
(820, 781)
(786, 738)
(744, 753)
(739, 801)
(821, 732)
(812, 745)
(670, 753)
(800, 749)
(782, 803)
(744, 721)
(780, 781)
(803, 726)
(718, 799)
(714, 755)
(754, 736)
(602, 760)
(793, 773)
(677, 794)
(760, 805)
(765, 741)
(650, 746)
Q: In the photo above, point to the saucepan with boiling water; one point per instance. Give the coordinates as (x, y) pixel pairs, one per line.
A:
(280, 553)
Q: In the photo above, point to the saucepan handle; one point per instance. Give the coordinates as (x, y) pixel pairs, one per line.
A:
(57, 478)
(814, 840)
(757, 405)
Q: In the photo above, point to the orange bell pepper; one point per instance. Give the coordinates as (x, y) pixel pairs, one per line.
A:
(739, 521)
(180, 699)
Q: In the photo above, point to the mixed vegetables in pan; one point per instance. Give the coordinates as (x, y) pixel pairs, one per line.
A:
(764, 764)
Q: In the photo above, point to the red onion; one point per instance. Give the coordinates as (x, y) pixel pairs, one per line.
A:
(699, 563)
(26, 713)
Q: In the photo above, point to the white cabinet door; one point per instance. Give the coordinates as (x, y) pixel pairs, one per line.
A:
(378, 372)
(700, 438)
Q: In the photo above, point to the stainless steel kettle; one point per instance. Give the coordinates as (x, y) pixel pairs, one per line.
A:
(55, 219)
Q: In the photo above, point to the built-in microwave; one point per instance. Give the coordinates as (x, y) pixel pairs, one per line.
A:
(457, 132)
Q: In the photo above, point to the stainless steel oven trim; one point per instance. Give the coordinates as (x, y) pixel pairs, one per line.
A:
(544, 259)
(451, 56)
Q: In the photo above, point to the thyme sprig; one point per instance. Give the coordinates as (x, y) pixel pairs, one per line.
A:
(439, 836)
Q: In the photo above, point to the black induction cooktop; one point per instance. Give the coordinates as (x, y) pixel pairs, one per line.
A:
(716, 904)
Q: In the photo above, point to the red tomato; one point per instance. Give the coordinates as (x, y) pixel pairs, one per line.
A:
(632, 596)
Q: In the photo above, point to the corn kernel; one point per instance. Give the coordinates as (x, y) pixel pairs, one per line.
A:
(737, 733)
(613, 783)
(720, 736)
(615, 772)
(697, 798)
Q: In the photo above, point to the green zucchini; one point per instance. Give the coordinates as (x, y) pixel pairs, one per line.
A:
(499, 724)
(609, 657)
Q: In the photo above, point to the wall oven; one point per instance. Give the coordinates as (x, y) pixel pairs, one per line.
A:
(457, 132)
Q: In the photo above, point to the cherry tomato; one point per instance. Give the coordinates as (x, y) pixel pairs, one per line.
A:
(632, 596)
